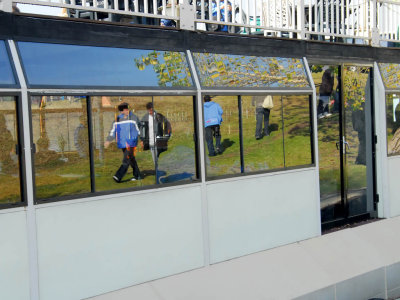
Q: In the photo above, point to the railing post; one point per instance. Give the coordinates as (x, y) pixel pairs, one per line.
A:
(301, 19)
(375, 36)
(6, 5)
(187, 15)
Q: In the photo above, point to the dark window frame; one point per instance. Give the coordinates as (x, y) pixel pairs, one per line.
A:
(21, 149)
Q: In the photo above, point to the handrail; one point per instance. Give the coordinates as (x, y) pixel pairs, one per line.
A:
(373, 22)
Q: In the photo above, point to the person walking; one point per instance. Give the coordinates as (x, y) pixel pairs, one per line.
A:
(212, 121)
(125, 131)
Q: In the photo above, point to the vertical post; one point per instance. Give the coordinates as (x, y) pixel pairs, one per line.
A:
(301, 19)
(6, 5)
(375, 39)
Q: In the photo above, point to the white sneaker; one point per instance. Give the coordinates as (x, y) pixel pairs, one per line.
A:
(133, 179)
(116, 178)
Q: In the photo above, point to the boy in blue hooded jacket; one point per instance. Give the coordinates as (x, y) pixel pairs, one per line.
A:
(125, 131)
(212, 121)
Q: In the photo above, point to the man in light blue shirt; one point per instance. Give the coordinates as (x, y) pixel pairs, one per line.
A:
(212, 121)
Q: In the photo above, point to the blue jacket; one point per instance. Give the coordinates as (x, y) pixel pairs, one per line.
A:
(125, 131)
(212, 114)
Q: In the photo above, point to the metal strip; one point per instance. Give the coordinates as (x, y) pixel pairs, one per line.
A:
(204, 202)
(31, 215)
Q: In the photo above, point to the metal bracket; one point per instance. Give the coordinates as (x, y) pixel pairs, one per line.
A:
(187, 15)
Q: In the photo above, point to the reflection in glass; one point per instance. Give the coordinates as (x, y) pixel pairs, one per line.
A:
(9, 163)
(393, 123)
(227, 161)
(328, 139)
(71, 65)
(165, 151)
(223, 70)
(390, 75)
(262, 134)
(177, 162)
(60, 133)
(108, 155)
(297, 130)
(6, 74)
(357, 103)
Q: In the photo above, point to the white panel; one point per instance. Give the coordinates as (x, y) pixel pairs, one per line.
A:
(94, 247)
(14, 266)
(394, 186)
(254, 214)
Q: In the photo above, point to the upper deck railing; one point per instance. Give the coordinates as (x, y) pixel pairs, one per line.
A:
(372, 22)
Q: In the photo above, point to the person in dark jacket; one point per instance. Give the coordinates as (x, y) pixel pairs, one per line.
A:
(125, 131)
(155, 131)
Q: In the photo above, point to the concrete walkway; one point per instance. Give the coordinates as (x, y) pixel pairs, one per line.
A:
(355, 263)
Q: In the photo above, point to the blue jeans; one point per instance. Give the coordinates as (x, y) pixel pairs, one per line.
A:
(213, 131)
(262, 113)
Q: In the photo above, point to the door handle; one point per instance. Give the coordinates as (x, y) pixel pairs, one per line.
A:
(346, 144)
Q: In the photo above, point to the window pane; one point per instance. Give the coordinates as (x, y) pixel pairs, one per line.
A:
(262, 134)
(109, 141)
(62, 149)
(163, 140)
(297, 130)
(222, 142)
(177, 160)
(71, 65)
(9, 163)
(390, 75)
(6, 74)
(223, 70)
(393, 123)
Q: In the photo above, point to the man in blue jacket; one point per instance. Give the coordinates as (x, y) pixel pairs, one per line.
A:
(212, 121)
(125, 131)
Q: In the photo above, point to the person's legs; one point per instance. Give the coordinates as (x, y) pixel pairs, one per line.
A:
(209, 141)
(124, 166)
(217, 135)
(133, 164)
(259, 119)
(266, 113)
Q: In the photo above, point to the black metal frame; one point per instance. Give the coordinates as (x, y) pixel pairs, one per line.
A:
(20, 148)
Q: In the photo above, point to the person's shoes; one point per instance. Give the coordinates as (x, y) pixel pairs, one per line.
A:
(133, 179)
(259, 137)
(266, 134)
(116, 179)
(218, 151)
(328, 115)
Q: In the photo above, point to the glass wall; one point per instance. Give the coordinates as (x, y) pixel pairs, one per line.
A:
(393, 123)
(9, 163)
(165, 146)
(6, 73)
(60, 135)
(245, 134)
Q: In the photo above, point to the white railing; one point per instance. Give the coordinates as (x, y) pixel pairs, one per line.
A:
(356, 21)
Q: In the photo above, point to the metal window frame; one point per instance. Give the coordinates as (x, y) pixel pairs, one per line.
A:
(21, 145)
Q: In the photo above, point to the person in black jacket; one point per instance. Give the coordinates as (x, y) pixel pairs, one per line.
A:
(155, 132)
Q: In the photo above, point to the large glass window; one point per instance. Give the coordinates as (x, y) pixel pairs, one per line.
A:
(224, 70)
(6, 74)
(393, 123)
(9, 162)
(164, 149)
(60, 135)
(390, 75)
(245, 134)
(85, 66)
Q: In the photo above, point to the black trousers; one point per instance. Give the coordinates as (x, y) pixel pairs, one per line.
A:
(128, 160)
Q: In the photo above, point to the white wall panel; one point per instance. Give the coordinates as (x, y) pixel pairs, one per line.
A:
(14, 266)
(95, 247)
(394, 186)
(253, 214)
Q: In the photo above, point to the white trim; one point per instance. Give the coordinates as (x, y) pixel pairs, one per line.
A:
(31, 215)
(287, 91)
(80, 91)
(315, 131)
(278, 172)
(204, 201)
(12, 210)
